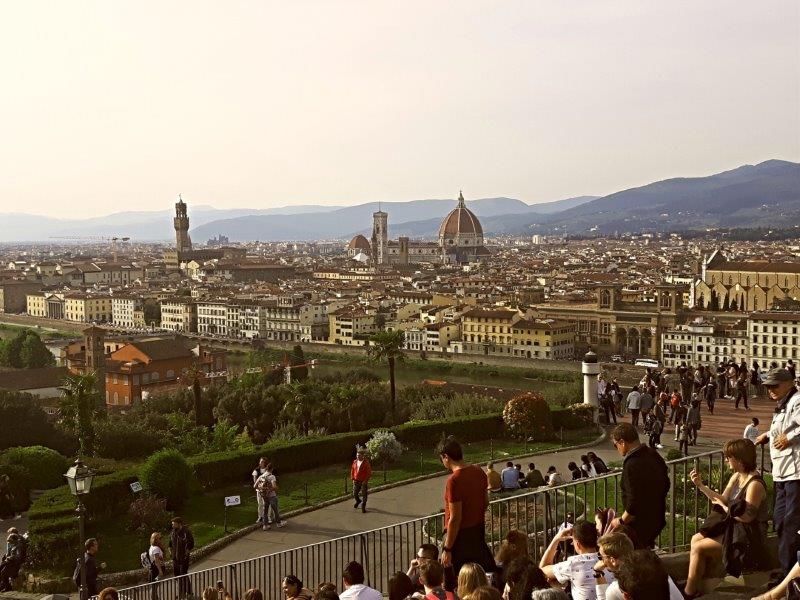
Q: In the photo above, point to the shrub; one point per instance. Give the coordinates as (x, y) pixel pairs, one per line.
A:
(119, 439)
(166, 474)
(674, 454)
(44, 467)
(576, 416)
(456, 405)
(14, 490)
(528, 415)
(383, 447)
(30, 425)
(149, 514)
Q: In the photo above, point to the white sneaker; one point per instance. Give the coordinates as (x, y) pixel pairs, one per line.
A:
(264, 528)
(282, 524)
(660, 446)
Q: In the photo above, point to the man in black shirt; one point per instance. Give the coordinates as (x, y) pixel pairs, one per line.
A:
(181, 544)
(645, 484)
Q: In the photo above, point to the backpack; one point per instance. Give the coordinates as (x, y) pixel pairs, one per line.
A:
(144, 558)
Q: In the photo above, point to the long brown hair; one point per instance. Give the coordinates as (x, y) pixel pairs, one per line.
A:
(514, 546)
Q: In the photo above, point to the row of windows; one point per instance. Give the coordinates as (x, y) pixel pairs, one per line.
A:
(774, 329)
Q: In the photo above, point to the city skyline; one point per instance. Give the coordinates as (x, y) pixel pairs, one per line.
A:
(270, 105)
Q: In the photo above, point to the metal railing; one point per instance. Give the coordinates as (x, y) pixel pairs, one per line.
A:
(382, 552)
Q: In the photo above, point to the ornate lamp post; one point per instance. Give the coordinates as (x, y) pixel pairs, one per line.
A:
(79, 477)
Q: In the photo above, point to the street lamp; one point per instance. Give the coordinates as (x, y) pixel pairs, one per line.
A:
(79, 477)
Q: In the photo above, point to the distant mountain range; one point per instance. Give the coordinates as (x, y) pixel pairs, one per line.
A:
(762, 195)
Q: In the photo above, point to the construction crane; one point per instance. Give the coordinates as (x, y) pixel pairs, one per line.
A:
(99, 238)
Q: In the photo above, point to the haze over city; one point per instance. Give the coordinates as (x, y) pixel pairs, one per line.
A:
(113, 106)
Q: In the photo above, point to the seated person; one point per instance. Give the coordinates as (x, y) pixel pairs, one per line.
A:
(781, 590)
(554, 478)
(615, 548)
(493, 479)
(510, 477)
(642, 577)
(743, 499)
(431, 575)
(578, 569)
(534, 477)
(425, 554)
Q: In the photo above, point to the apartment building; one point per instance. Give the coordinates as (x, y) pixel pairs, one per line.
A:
(703, 343)
(179, 314)
(212, 317)
(543, 338)
(314, 322)
(282, 319)
(488, 331)
(439, 336)
(127, 311)
(774, 337)
(82, 307)
(351, 326)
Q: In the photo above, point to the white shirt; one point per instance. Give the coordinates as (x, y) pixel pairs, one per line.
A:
(786, 462)
(751, 432)
(272, 480)
(360, 591)
(611, 591)
(155, 551)
(578, 570)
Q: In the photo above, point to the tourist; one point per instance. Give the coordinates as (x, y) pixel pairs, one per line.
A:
(470, 577)
(11, 562)
(607, 404)
(494, 482)
(549, 594)
(465, 503)
(751, 431)
(534, 477)
(646, 402)
(693, 419)
(520, 475)
(587, 467)
(644, 486)
(211, 593)
(400, 587)
(602, 386)
(91, 547)
(431, 574)
(616, 394)
(515, 545)
(710, 395)
(260, 469)
(634, 403)
(643, 577)
(353, 582)
(577, 569)
(656, 430)
(780, 591)
(109, 593)
(522, 577)
(722, 380)
(791, 369)
(253, 594)
(741, 390)
(554, 478)
(614, 549)
(603, 519)
(425, 553)
(600, 467)
(675, 401)
(293, 589)
(510, 477)
(575, 471)
(486, 592)
(181, 544)
(267, 486)
(785, 454)
(740, 500)
(157, 558)
(755, 379)
(683, 439)
(360, 472)
(326, 591)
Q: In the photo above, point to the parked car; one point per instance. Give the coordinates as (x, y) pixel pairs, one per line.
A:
(616, 358)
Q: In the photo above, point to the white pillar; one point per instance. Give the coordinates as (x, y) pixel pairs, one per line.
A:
(590, 370)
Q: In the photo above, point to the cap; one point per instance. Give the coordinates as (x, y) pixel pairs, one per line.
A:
(777, 376)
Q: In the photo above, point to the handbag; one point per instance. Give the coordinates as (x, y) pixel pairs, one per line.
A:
(714, 524)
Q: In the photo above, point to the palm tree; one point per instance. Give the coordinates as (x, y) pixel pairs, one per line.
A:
(78, 404)
(388, 346)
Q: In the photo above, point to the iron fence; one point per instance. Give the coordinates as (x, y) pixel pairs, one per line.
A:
(538, 513)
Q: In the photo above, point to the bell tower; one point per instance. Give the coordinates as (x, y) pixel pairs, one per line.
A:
(95, 353)
(183, 243)
(380, 242)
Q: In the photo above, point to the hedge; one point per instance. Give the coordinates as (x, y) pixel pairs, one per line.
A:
(51, 517)
(45, 467)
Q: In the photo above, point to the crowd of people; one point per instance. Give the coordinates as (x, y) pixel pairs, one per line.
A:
(513, 477)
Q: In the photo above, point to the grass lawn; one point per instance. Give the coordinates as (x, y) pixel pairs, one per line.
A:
(9, 331)
(204, 511)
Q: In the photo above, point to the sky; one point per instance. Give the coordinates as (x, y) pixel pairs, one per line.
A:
(110, 105)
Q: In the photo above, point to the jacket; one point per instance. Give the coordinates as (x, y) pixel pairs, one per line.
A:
(743, 544)
(786, 463)
(645, 484)
(181, 543)
(363, 474)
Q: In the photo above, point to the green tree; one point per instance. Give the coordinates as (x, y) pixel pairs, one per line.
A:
(528, 415)
(34, 354)
(296, 359)
(152, 313)
(388, 346)
(79, 403)
(166, 474)
(31, 426)
(12, 349)
(384, 448)
(193, 377)
(713, 304)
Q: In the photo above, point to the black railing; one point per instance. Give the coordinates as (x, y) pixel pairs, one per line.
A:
(538, 513)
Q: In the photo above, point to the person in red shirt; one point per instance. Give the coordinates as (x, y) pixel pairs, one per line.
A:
(465, 503)
(360, 472)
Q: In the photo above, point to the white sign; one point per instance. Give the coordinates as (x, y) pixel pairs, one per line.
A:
(136, 487)
(233, 500)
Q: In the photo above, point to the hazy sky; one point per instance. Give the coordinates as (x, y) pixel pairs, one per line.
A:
(114, 105)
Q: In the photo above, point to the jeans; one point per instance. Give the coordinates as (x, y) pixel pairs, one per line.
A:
(786, 518)
(608, 408)
(741, 395)
(273, 506)
(358, 487)
(635, 417)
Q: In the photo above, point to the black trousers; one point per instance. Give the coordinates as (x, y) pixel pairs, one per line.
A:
(469, 547)
(635, 417)
(184, 584)
(358, 488)
(741, 395)
(608, 408)
(786, 519)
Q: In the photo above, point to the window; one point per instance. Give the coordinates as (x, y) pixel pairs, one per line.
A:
(154, 376)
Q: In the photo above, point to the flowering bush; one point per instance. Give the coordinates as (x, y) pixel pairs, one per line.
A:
(383, 447)
(528, 416)
(149, 513)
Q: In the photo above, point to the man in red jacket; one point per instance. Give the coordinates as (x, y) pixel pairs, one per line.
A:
(360, 472)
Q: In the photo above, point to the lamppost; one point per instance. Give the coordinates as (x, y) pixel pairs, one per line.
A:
(79, 477)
